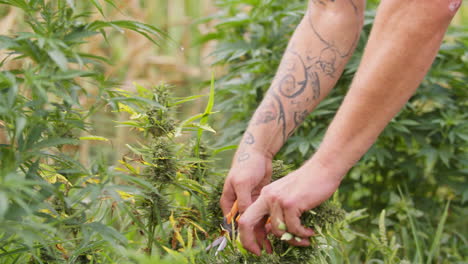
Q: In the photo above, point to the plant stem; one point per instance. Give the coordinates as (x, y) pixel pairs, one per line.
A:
(151, 228)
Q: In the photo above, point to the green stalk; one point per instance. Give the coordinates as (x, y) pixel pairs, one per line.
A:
(151, 228)
(415, 237)
(438, 237)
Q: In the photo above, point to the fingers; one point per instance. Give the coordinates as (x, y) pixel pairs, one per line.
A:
(238, 189)
(303, 242)
(278, 226)
(293, 223)
(261, 235)
(244, 197)
(227, 198)
(252, 217)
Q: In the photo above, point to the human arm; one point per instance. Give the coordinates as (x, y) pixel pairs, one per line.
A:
(403, 43)
(314, 60)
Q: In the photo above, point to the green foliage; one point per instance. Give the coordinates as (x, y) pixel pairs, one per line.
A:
(54, 209)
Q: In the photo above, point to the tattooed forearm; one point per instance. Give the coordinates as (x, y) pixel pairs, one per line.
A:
(296, 79)
(311, 66)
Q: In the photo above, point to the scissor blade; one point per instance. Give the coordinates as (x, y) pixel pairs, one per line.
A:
(230, 228)
(215, 243)
(222, 245)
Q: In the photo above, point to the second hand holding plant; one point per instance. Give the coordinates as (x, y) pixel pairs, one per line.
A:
(284, 201)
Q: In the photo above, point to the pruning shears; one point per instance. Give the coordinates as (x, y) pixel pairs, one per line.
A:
(228, 229)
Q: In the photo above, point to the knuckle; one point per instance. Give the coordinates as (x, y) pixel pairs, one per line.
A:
(288, 203)
(239, 181)
(243, 205)
(269, 194)
(293, 229)
(277, 232)
(242, 223)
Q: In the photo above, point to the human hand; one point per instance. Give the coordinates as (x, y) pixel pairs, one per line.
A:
(284, 201)
(250, 172)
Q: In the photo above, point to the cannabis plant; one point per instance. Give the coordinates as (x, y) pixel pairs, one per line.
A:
(174, 167)
(49, 201)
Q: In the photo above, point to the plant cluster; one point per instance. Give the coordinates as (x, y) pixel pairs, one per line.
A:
(322, 218)
(53, 208)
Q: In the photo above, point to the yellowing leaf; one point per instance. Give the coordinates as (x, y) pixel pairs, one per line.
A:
(176, 255)
(47, 211)
(135, 116)
(189, 238)
(146, 163)
(129, 167)
(61, 248)
(176, 230)
(198, 227)
(62, 179)
(95, 138)
(126, 108)
(51, 176)
(125, 195)
(93, 180)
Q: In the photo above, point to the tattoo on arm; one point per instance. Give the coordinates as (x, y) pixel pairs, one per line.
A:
(299, 117)
(328, 41)
(282, 117)
(298, 80)
(289, 86)
(327, 61)
(249, 138)
(266, 113)
(243, 157)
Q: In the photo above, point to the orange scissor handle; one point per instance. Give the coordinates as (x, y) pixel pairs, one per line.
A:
(233, 213)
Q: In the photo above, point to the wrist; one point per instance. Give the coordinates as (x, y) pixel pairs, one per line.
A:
(254, 140)
(253, 150)
(327, 165)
